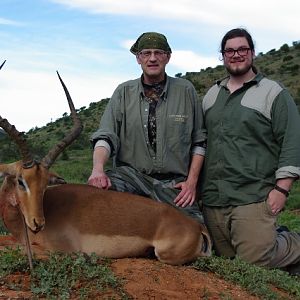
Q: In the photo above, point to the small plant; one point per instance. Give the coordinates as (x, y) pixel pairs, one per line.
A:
(254, 279)
(63, 274)
(12, 260)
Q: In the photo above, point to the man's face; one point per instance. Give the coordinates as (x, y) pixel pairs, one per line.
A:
(238, 62)
(153, 63)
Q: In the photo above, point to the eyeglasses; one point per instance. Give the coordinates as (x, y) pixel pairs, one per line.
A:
(146, 54)
(243, 51)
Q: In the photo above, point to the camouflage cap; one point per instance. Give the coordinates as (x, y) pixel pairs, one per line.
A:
(150, 40)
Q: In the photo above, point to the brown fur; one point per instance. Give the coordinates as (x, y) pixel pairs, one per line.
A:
(112, 224)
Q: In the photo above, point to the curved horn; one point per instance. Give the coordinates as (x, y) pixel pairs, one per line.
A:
(18, 138)
(49, 159)
(2, 65)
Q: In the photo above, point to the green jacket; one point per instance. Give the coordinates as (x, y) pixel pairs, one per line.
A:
(179, 120)
(253, 138)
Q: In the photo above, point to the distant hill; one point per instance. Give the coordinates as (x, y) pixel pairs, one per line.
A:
(282, 65)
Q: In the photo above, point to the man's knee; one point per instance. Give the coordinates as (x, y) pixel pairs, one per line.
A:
(256, 252)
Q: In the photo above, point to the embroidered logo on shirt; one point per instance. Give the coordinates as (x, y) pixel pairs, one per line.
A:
(179, 118)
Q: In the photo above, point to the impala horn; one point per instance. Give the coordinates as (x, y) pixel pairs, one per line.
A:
(2, 65)
(49, 159)
(18, 138)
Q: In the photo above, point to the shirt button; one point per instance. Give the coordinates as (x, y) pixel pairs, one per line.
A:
(146, 109)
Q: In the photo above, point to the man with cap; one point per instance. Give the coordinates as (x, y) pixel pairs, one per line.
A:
(152, 129)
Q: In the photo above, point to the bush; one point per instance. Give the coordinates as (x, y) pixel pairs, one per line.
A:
(285, 48)
(287, 58)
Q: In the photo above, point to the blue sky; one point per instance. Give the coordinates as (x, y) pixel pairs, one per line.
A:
(88, 42)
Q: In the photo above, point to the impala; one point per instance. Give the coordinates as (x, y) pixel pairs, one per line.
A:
(82, 218)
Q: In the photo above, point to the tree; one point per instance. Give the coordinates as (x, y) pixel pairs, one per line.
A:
(285, 48)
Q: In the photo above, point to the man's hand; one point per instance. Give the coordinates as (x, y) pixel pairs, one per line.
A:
(276, 201)
(98, 177)
(100, 180)
(187, 195)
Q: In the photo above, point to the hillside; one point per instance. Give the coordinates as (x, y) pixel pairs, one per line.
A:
(83, 277)
(282, 65)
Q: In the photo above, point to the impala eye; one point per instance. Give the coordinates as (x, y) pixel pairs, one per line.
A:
(21, 183)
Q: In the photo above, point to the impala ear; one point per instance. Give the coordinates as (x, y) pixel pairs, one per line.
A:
(8, 188)
(55, 179)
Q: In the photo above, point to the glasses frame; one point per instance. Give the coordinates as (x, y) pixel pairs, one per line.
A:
(230, 52)
(146, 54)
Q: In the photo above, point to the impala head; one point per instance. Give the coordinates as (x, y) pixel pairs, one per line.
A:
(26, 180)
(24, 188)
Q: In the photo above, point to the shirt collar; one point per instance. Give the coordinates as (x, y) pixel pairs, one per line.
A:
(254, 81)
(164, 93)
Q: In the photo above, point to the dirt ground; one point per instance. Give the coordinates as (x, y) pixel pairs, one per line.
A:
(142, 279)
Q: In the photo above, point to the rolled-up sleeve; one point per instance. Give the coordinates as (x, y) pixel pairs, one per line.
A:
(110, 124)
(286, 128)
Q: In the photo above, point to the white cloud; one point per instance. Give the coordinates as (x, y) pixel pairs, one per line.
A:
(186, 60)
(10, 22)
(87, 46)
(259, 14)
(127, 44)
(37, 97)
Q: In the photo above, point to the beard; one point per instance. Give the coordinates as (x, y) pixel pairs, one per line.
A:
(239, 70)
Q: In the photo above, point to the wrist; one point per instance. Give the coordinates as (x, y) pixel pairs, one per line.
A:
(282, 190)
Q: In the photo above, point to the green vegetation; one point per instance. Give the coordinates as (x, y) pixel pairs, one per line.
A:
(282, 65)
(287, 217)
(255, 280)
(60, 274)
(12, 261)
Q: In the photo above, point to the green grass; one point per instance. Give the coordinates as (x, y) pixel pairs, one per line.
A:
(59, 275)
(290, 220)
(254, 279)
(62, 275)
(287, 217)
(76, 168)
(11, 260)
(75, 165)
(294, 198)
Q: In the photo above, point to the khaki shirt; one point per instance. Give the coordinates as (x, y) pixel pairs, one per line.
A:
(179, 121)
(253, 140)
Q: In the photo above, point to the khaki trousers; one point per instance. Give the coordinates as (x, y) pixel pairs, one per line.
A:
(249, 231)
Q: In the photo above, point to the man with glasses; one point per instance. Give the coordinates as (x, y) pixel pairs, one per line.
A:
(152, 128)
(252, 160)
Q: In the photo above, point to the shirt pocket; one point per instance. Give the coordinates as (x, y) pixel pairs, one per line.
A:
(178, 133)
